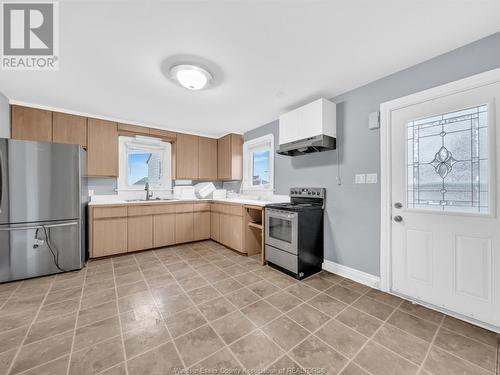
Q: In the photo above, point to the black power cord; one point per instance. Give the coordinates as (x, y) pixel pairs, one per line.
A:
(55, 253)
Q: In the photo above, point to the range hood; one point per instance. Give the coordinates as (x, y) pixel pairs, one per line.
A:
(307, 129)
(306, 146)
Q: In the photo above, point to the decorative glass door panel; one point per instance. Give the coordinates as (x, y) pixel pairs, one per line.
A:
(447, 159)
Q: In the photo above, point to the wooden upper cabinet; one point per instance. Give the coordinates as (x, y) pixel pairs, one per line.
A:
(230, 157)
(102, 149)
(207, 158)
(31, 124)
(186, 157)
(133, 129)
(70, 129)
(163, 134)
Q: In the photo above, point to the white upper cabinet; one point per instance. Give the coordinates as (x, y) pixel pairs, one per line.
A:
(316, 118)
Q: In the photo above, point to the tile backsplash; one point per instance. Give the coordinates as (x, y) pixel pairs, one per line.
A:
(107, 186)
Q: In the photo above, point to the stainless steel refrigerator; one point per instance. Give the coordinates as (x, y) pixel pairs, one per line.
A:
(43, 199)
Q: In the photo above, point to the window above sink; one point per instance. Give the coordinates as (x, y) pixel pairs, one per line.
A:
(144, 160)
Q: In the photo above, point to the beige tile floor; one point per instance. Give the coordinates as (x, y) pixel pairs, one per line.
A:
(201, 306)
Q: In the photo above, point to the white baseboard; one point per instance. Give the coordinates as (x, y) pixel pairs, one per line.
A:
(353, 274)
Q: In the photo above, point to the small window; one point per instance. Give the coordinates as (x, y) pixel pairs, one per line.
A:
(258, 163)
(144, 160)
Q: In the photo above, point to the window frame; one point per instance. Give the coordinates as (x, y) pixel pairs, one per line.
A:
(150, 145)
(249, 147)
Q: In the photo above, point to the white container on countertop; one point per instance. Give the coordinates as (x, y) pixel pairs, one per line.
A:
(204, 189)
(184, 192)
(219, 194)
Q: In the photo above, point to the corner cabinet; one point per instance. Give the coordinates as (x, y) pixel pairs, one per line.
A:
(207, 158)
(230, 157)
(227, 225)
(102, 157)
(196, 157)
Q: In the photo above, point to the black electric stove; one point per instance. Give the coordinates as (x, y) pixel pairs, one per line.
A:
(294, 232)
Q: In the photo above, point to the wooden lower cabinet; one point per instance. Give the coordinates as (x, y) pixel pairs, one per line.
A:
(124, 228)
(164, 230)
(184, 227)
(231, 231)
(215, 226)
(201, 226)
(140, 233)
(109, 236)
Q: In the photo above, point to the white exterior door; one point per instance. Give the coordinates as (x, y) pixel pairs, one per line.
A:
(445, 245)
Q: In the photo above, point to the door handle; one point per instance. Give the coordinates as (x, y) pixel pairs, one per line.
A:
(33, 227)
(398, 219)
(398, 205)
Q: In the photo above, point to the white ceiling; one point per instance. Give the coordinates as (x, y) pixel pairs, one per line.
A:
(273, 55)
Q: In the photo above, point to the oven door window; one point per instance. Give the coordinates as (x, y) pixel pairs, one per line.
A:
(280, 229)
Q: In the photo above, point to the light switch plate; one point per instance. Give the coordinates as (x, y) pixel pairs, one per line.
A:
(371, 178)
(360, 179)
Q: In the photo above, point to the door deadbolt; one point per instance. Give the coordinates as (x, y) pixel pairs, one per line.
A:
(398, 219)
(398, 205)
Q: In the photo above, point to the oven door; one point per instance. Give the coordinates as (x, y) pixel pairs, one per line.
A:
(282, 229)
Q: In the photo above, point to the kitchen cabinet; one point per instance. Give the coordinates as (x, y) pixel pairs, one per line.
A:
(201, 221)
(102, 148)
(163, 134)
(117, 229)
(226, 222)
(184, 227)
(184, 223)
(207, 158)
(186, 157)
(231, 231)
(109, 237)
(132, 130)
(289, 127)
(140, 232)
(69, 129)
(31, 124)
(215, 226)
(163, 230)
(315, 118)
(108, 231)
(230, 157)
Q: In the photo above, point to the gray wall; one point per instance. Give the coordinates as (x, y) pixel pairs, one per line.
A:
(4, 117)
(352, 217)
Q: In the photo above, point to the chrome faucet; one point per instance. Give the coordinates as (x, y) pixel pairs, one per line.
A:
(149, 194)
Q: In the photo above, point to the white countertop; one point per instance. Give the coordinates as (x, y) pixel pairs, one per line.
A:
(116, 201)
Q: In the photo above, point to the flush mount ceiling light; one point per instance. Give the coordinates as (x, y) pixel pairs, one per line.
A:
(191, 77)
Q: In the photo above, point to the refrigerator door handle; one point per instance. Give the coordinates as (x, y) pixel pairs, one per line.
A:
(38, 227)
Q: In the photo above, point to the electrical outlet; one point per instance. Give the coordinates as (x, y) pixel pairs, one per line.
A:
(360, 179)
(371, 178)
(37, 243)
